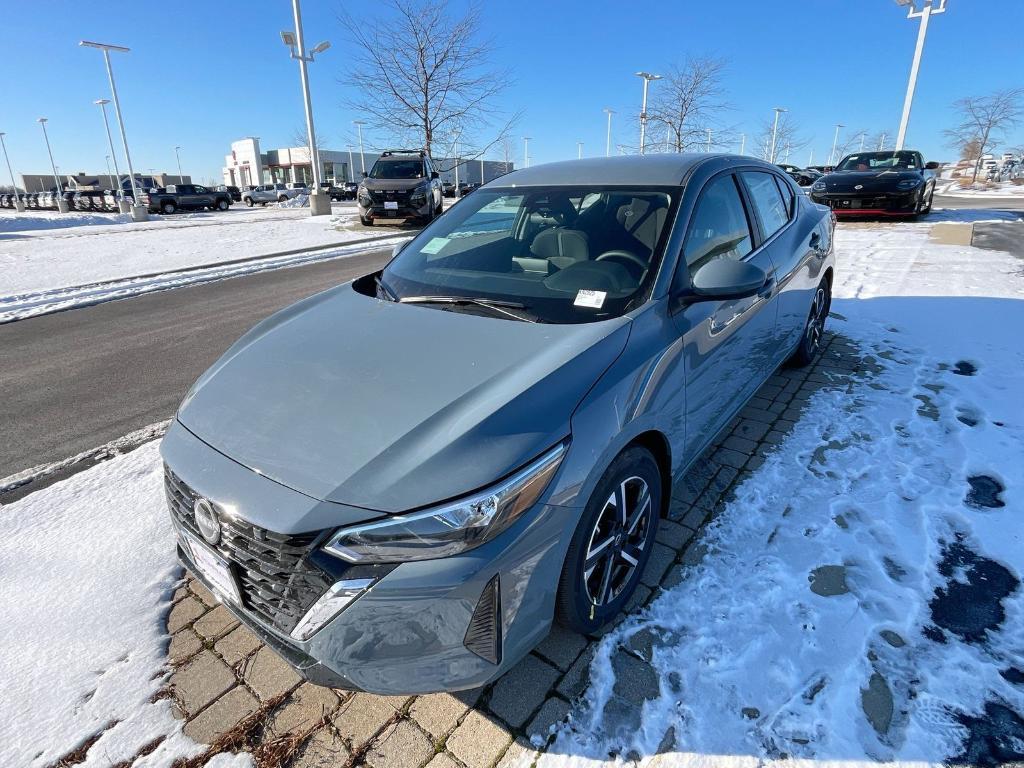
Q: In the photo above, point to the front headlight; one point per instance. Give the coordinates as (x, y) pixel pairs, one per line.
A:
(818, 186)
(418, 195)
(451, 528)
(364, 197)
(908, 184)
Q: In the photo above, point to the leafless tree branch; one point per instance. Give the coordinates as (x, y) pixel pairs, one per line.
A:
(984, 120)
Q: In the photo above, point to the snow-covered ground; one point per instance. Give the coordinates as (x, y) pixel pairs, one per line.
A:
(999, 189)
(871, 566)
(40, 252)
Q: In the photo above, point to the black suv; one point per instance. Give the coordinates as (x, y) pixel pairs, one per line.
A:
(403, 184)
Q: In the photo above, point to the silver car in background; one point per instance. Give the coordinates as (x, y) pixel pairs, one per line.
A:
(401, 482)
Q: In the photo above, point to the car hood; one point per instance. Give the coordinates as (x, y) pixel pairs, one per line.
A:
(393, 185)
(391, 407)
(867, 181)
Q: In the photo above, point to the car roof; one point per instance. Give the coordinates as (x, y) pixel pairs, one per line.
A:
(648, 170)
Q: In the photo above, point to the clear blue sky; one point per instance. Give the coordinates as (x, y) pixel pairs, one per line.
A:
(201, 74)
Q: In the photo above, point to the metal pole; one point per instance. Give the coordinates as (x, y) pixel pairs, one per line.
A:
(579, 150)
(810, 160)
(881, 143)
(743, 142)
(835, 143)
(17, 198)
(362, 157)
(643, 117)
(775, 131)
(862, 137)
(56, 180)
(314, 155)
(351, 170)
(526, 151)
(608, 140)
(456, 147)
(119, 190)
(481, 171)
(120, 123)
(181, 178)
(709, 140)
(925, 15)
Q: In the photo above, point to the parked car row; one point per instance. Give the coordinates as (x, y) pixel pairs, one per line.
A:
(77, 200)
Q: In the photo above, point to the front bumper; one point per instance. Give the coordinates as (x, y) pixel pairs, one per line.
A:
(407, 634)
(870, 204)
(393, 206)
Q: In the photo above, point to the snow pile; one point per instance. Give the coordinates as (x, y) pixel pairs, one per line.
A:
(27, 305)
(299, 201)
(89, 571)
(44, 220)
(983, 189)
(860, 599)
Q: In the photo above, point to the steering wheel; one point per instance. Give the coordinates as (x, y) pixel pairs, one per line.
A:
(626, 256)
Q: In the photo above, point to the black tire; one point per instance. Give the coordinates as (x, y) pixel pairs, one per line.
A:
(931, 196)
(249, 202)
(590, 597)
(365, 221)
(223, 205)
(814, 328)
(282, 199)
(264, 205)
(167, 207)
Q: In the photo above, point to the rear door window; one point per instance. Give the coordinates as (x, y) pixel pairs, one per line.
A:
(769, 207)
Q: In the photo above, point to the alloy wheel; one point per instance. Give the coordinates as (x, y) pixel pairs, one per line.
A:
(617, 541)
(816, 321)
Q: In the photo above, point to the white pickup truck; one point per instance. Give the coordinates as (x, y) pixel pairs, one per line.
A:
(272, 193)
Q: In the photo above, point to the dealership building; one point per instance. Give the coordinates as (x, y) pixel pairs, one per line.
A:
(248, 164)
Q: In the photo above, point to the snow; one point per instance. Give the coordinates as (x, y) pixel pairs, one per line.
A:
(870, 485)
(89, 571)
(873, 479)
(993, 190)
(39, 251)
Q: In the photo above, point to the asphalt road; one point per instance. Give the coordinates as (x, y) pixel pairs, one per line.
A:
(75, 380)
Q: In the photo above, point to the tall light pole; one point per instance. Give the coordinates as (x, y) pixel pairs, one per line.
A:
(881, 142)
(351, 170)
(319, 203)
(110, 175)
(138, 211)
(526, 151)
(119, 190)
(61, 205)
(924, 15)
(775, 132)
(709, 140)
(608, 141)
(743, 142)
(18, 204)
(362, 157)
(579, 150)
(810, 160)
(647, 77)
(835, 143)
(862, 137)
(177, 157)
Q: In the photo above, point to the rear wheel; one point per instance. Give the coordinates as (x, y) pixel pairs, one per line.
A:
(365, 221)
(814, 330)
(222, 205)
(167, 207)
(248, 202)
(612, 543)
(282, 199)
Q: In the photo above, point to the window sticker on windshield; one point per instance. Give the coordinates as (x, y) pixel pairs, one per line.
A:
(594, 299)
(435, 245)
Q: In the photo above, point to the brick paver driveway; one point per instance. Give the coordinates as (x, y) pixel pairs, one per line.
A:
(236, 694)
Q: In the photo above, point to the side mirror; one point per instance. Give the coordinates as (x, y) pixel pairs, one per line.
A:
(365, 175)
(435, 175)
(398, 248)
(725, 279)
(932, 166)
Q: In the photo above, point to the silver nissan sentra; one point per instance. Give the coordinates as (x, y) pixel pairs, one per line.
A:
(399, 483)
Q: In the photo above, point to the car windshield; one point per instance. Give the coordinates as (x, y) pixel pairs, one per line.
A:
(878, 161)
(397, 169)
(562, 254)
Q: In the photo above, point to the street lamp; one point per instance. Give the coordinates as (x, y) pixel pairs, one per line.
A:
(709, 140)
(579, 150)
(110, 142)
(835, 143)
(775, 131)
(526, 151)
(743, 142)
(608, 141)
(647, 77)
(181, 178)
(62, 206)
(138, 211)
(18, 204)
(351, 170)
(881, 142)
(924, 15)
(319, 203)
(110, 175)
(362, 157)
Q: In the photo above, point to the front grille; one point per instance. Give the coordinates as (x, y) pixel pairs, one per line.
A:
(379, 196)
(277, 582)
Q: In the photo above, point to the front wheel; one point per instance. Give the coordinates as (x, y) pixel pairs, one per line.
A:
(814, 330)
(222, 205)
(167, 207)
(612, 543)
(365, 221)
(282, 199)
(248, 202)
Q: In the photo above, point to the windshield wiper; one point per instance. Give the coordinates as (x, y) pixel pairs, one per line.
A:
(385, 288)
(498, 305)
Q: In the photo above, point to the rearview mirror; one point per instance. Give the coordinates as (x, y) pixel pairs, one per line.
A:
(365, 174)
(725, 279)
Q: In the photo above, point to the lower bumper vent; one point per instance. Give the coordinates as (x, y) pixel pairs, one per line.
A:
(483, 637)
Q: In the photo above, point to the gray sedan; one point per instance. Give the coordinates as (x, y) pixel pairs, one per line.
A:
(401, 482)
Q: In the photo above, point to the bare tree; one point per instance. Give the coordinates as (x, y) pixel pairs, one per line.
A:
(880, 141)
(688, 102)
(851, 141)
(422, 76)
(985, 119)
(300, 138)
(787, 138)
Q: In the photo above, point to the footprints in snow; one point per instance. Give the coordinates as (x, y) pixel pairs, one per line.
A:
(985, 492)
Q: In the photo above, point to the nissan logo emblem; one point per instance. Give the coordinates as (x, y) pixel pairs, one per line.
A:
(206, 520)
